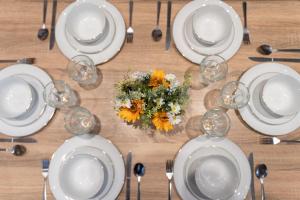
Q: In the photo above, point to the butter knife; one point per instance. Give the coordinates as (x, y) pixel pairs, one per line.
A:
(128, 174)
(265, 59)
(52, 34)
(251, 163)
(168, 32)
(20, 140)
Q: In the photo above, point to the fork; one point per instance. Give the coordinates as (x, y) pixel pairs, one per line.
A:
(130, 31)
(22, 61)
(45, 169)
(275, 140)
(169, 174)
(246, 36)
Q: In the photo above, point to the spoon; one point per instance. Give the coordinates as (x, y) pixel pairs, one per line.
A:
(157, 33)
(261, 172)
(139, 171)
(43, 31)
(17, 150)
(266, 49)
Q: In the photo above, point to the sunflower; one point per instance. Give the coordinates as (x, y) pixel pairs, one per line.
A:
(133, 113)
(161, 121)
(158, 78)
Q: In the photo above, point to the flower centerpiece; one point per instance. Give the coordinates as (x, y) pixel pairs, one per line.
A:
(153, 99)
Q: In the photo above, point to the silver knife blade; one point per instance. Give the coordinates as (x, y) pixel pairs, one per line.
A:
(128, 174)
(21, 140)
(251, 163)
(168, 32)
(265, 59)
(52, 34)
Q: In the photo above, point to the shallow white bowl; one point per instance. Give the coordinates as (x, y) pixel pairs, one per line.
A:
(17, 97)
(281, 95)
(217, 177)
(81, 176)
(211, 24)
(86, 22)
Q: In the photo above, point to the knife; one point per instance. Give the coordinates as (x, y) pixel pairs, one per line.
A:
(52, 34)
(128, 174)
(265, 59)
(251, 163)
(21, 140)
(168, 33)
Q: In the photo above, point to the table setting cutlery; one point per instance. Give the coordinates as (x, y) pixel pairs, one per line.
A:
(168, 29)
(16, 150)
(266, 49)
(43, 31)
(52, 33)
(22, 60)
(169, 174)
(276, 140)
(261, 173)
(139, 172)
(45, 169)
(246, 35)
(19, 140)
(252, 187)
(130, 31)
(157, 33)
(267, 59)
(128, 175)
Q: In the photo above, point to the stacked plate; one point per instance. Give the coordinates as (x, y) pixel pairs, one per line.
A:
(91, 27)
(86, 167)
(23, 110)
(207, 27)
(208, 168)
(273, 107)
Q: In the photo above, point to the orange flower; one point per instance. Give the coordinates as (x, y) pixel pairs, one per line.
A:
(132, 114)
(161, 122)
(158, 78)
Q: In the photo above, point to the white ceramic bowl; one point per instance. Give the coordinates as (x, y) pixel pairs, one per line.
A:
(86, 22)
(81, 176)
(211, 24)
(217, 177)
(281, 95)
(17, 97)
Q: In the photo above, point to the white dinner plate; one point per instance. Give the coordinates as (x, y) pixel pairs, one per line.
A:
(203, 141)
(100, 57)
(42, 113)
(246, 112)
(77, 142)
(179, 36)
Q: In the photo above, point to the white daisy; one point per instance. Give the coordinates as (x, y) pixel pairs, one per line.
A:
(174, 119)
(123, 103)
(170, 77)
(175, 108)
(138, 75)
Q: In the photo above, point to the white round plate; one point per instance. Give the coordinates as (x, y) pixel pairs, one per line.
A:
(247, 114)
(202, 49)
(179, 36)
(203, 141)
(41, 117)
(107, 53)
(100, 44)
(81, 141)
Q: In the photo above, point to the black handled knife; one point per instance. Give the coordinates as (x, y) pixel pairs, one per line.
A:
(265, 59)
(128, 174)
(168, 32)
(251, 163)
(52, 34)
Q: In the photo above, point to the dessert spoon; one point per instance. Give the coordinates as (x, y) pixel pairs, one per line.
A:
(266, 49)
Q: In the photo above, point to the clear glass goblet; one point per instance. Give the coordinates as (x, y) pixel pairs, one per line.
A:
(58, 94)
(213, 68)
(82, 69)
(79, 121)
(215, 123)
(234, 95)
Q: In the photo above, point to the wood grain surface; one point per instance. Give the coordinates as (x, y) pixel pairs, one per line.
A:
(274, 22)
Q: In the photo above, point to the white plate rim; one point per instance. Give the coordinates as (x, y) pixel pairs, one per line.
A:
(246, 113)
(182, 45)
(44, 78)
(97, 142)
(226, 144)
(100, 57)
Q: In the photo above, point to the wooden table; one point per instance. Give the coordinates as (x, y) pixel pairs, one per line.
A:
(274, 22)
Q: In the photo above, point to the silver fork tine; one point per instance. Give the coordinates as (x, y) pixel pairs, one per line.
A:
(266, 140)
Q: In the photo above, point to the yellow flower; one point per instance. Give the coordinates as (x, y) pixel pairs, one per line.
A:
(161, 122)
(132, 114)
(158, 78)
